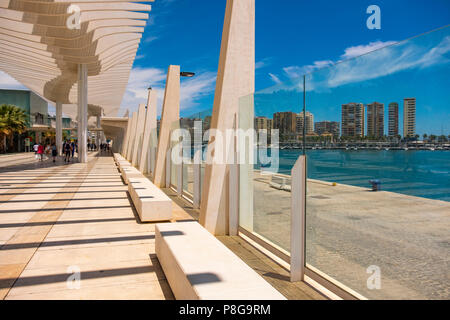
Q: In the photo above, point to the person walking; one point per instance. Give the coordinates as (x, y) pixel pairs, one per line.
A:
(73, 146)
(40, 152)
(67, 151)
(54, 152)
(35, 148)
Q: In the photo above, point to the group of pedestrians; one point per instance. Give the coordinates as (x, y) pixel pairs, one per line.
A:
(69, 149)
(104, 147)
(92, 146)
(41, 151)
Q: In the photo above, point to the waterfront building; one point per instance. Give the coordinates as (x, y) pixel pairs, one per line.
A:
(31, 103)
(286, 123)
(375, 120)
(263, 123)
(300, 120)
(328, 127)
(353, 120)
(409, 117)
(393, 119)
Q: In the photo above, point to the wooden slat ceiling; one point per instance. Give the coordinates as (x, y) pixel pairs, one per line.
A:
(41, 52)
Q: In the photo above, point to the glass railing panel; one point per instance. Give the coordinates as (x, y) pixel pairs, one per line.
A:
(196, 128)
(176, 153)
(264, 177)
(378, 189)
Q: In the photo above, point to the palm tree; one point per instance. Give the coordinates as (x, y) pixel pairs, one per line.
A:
(12, 120)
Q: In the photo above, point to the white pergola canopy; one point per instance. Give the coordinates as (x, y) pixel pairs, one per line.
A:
(39, 50)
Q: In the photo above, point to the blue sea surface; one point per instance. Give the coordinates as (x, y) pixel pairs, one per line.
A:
(417, 173)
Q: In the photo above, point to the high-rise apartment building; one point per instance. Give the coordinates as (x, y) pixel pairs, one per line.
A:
(375, 120)
(263, 123)
(285, 122)
(326, 127)
(300, 120)
(393, 119)
(409, 117)
(353, 120)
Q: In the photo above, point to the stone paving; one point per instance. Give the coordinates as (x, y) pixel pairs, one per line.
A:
(350, 229)
(57, 220)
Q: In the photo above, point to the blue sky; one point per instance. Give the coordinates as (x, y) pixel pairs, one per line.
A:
(292, 36)
(418, 67)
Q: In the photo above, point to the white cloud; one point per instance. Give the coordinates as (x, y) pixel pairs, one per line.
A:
(274, 78)
(150, 39)
(390, 58)
(8, 82)
(296, 71)
(191, 89)
(356, 51)
(263, 63)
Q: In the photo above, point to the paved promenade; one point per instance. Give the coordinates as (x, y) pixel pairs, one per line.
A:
(351, 228)
(57, 220)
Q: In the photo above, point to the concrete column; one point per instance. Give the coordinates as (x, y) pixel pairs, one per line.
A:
(170, 114)
(132, 136)
(82, 112)
(150, 138)
(58, 128)
(99, 133)
(136, 155)
(235, 79)
(127, 137)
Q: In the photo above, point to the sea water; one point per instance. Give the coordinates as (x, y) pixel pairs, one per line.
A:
(419, 173)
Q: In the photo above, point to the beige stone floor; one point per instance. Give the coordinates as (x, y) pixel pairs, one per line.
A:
(56, 219)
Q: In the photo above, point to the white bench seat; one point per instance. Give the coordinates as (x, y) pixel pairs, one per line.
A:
(130, 172)
(150, 202)
(123, 164)
(199, 267)
(118, 156)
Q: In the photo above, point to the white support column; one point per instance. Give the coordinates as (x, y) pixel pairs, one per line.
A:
(136, 155)
(132, 136)
(170, 114)
(127, 138)
(99, 133)
(82, 112)
(235, 79)
(58, 128)
(150, 138)
(298, 221)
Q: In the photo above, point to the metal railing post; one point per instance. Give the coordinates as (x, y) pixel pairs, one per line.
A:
(197, 179)
(168, 164)
(298, 222)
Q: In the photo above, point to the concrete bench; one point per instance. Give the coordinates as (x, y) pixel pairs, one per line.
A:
(118, 157)
(123, 164)
(150, 202)
(131, 172)
(199, 267)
